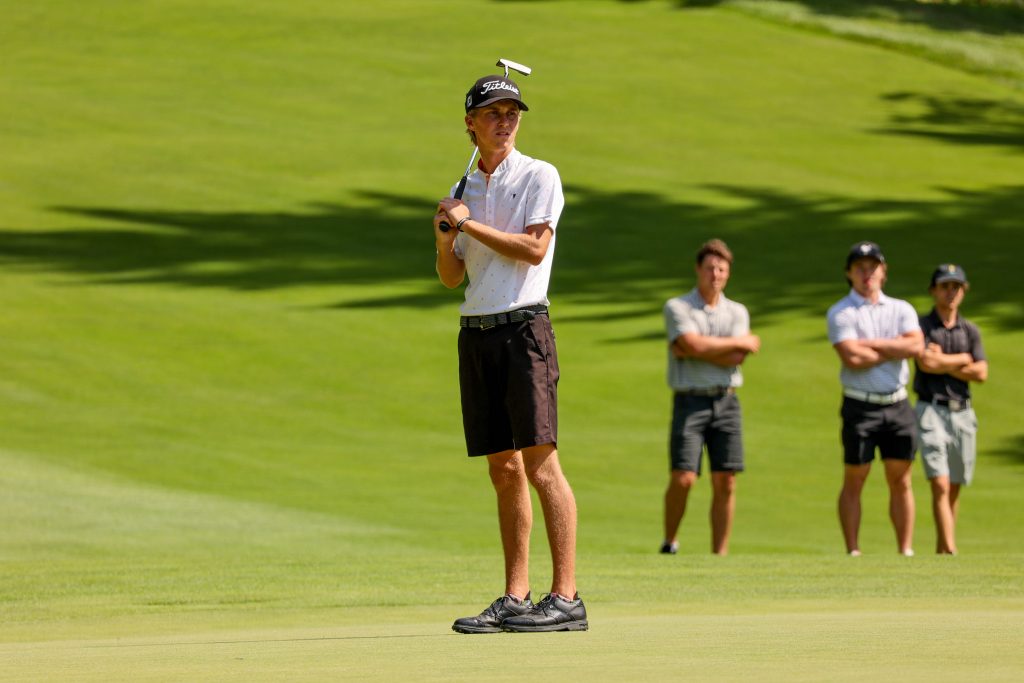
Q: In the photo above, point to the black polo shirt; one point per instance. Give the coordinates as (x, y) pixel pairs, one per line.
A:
(963, 337)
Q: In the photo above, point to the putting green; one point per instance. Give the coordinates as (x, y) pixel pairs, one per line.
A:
(230, 446)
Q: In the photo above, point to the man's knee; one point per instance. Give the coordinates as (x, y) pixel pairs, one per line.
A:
(682, 479)
(898, 474)
(723, 483)
(541, 466)
(940, 486)
(506, 471)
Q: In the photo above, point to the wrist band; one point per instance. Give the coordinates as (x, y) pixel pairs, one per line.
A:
(458, 226)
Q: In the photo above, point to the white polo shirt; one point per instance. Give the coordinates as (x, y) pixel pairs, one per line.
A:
(522, 192)
(854, 317)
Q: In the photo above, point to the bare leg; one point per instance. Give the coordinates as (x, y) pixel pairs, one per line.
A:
(854, 477)
(954, 500)
(679, 484)
(515, 518)
(723, 508)
(901, 503)
(559, 505)
(954, 506)
(942, 511)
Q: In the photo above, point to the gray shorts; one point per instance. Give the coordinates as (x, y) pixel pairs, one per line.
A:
(948, 442)
(715, 422)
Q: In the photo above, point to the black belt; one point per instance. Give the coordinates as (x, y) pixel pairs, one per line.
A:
(713, 392)
(485, 322)
(955, 405)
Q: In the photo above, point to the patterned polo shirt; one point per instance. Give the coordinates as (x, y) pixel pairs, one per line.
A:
(689, 313)
(854, 317)
(522, 191)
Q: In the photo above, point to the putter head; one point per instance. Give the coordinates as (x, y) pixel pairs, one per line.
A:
(516, 66)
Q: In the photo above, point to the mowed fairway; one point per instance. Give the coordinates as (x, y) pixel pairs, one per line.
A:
(230, 443)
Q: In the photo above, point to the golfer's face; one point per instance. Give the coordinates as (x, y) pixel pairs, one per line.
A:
(948, 294)
(495, 125)
(867, 276)
(712, 273)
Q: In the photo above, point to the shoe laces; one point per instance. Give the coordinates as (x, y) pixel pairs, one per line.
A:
(495, 606)
(546, 603)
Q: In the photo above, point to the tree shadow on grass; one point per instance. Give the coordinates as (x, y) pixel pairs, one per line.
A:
(1005, 17)
(1011, 449)
(957, 120)
(789, 249)
(620, 253)
(994, 18)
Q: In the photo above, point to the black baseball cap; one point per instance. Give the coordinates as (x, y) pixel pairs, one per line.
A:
(948, 272)
(490, 89)
(864, 250)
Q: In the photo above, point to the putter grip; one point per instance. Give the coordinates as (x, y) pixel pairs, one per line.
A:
(458, 195)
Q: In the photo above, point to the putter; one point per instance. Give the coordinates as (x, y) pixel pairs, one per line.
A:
(443, 225)
(508, 64)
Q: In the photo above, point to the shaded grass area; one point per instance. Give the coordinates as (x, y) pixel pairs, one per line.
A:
(804, 234)
(983, 38)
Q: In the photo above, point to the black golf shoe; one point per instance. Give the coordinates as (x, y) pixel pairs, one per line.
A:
(552, 613)
(668, 548)
(491, 619)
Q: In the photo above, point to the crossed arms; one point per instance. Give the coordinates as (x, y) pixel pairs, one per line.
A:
(861, 354)
(726, 352)
(959, 365)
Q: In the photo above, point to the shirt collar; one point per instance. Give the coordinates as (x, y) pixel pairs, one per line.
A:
(506, 163)
(937, 320)
(861, 301)
(705, 306)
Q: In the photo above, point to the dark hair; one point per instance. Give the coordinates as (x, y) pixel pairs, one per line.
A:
(715, 247)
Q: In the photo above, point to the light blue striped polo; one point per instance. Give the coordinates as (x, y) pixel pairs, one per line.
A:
(854, 317)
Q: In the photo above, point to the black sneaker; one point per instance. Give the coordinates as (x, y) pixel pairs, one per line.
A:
(669, 548)
(552, 613)
(491, 619)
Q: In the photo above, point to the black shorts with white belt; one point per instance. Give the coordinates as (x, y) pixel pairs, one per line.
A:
(885, 421)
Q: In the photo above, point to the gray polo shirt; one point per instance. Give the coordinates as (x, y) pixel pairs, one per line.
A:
(854, 317)
(689, 313)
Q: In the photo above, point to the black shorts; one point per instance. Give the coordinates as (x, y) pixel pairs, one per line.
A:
(892, 428)
(508, 376)
(699, 421)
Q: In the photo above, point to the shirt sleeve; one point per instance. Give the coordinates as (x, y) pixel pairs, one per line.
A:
(546, 201)
(908, 320)
(840, 325)
(741, 324)
(677, 320)
(974, 337)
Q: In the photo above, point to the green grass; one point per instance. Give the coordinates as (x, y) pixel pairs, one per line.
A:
(230, 446)
(976, 36)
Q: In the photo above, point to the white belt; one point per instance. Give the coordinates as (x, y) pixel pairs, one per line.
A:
(878, 399)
